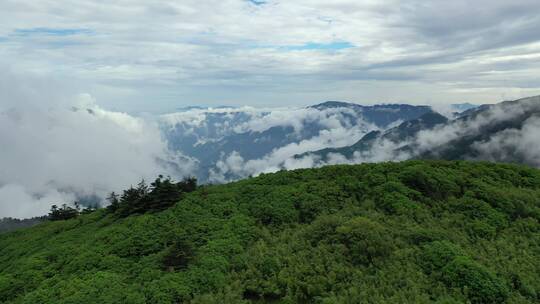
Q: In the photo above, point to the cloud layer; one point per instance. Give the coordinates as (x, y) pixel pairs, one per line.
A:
(238, 142)
(507, 132)
(497, 134)
(150, 54)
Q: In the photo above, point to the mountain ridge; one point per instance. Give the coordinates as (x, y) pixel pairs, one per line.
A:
(212, 136)
(450, 139)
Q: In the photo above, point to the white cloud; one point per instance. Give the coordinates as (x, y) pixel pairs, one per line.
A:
(17, 202)
(429, 139)
(510, 144)
(513, 144)
(337, 134)
(150, 54)
(57, 148)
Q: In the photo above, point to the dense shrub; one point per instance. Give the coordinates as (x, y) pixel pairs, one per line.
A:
(433, 183)
(274, 209)
(447, 262)
(367, 241)
(478, 283)
(410, 232)
(178, 256)
(438, 254)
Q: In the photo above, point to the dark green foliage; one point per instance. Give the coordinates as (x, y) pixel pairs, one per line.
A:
(438, 254)
(435, 184)
(367, 241)
(394, 198)
(274, 209)
(411, 232)
(448, 263)
(66, 212)
(161, 194)
(478, 283)
(130, 202)
(178, 256)
(63, 213)
(114, 202)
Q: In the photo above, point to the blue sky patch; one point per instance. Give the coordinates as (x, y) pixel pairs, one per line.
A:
(45, 31)
(257, 2)
(333, 46)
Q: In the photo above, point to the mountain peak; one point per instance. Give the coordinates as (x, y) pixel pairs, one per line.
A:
(334, 104)
(462, 107)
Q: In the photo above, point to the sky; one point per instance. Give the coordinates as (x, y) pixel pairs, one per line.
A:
(156, 56)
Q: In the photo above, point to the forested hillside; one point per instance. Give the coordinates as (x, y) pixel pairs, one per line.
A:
(410, 232)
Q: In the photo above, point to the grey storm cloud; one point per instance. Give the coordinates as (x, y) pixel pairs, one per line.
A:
(479, 26)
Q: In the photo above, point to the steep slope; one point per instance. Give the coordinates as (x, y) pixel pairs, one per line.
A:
(400, 134)
(462, 107)
(411, 232)
(504, 132)
(493, 133)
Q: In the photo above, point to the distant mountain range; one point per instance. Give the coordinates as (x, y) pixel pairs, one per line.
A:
(400, 134)
(230, 143)
(212, 135)
(462, 107)
(505, 132)
(380, 115)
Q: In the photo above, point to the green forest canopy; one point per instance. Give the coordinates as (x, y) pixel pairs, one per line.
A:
(415, 232)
